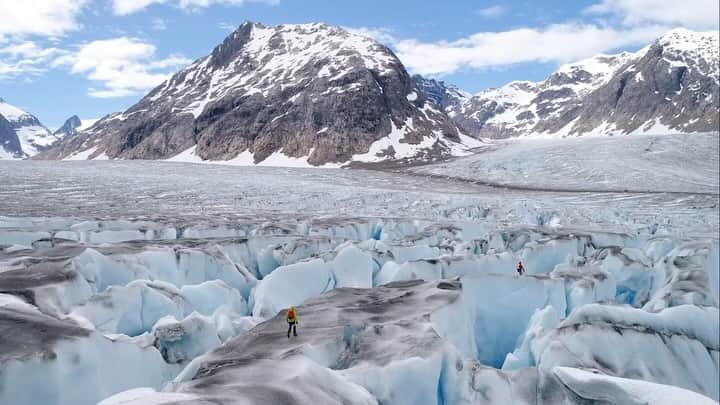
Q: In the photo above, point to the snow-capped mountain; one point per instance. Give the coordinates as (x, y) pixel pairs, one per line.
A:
(32, 135)
(307, 94)
(668, 86)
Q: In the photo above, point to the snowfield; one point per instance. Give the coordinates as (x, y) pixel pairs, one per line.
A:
(644, 163)
(137, 282)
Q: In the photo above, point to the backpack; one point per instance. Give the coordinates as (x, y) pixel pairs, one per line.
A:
(291, 314)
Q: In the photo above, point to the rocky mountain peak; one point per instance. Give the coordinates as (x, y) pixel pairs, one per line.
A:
(69, 128)
(312, 94)
(699, 50)
(441, 94)
(587, 74)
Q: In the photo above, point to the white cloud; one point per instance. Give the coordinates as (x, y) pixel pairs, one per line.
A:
(490, 12)
(29, 49)
(124, 66)
(696, 14)
(125, 7)
(159, 24)
(111, 93)
(39, 17)
(381, 34)
(27, 59)
(557, 43)
(625, 23)
(13, 69)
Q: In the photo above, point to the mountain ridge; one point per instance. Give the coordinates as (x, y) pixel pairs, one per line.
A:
(304, 91)
(669, 85)
(245, 101)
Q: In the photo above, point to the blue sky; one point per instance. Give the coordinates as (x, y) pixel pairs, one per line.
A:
(93, 57)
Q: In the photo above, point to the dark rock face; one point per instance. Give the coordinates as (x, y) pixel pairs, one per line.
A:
(442, 95)
(69, 128)
(312, 91)
(671, 85)
(9, 142)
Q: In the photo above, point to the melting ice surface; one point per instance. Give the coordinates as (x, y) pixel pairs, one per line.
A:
(156, 283)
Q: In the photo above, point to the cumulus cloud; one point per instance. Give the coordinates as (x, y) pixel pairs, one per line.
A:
(622, 24)
(27, 59)
(125, 7)
(557, 43)
(159, 24)
(124, 66)
(696, 14)
(491, 12)
(39, 17)
(381, 34)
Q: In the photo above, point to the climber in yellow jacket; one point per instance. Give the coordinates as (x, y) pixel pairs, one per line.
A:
(292, 320)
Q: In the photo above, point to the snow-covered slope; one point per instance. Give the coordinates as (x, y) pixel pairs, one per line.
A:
(312, 92)
(86, 123)
(643, 163)
(32, 135)
(672, 85)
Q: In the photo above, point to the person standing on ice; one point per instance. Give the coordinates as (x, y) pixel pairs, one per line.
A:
(520, 268)
(292, 321)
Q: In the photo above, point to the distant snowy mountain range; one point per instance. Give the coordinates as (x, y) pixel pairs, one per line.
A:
(23, 135)
(317, 95)
(671, 85)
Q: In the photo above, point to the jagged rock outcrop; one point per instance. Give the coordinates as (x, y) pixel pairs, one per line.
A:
(69, 128)
(443, 95)
(9, 143)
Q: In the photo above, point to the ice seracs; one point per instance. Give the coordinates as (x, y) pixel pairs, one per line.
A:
(592, 385)
(447, 310)
(159, 282)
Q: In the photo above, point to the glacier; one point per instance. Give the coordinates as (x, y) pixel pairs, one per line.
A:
(175, 291)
